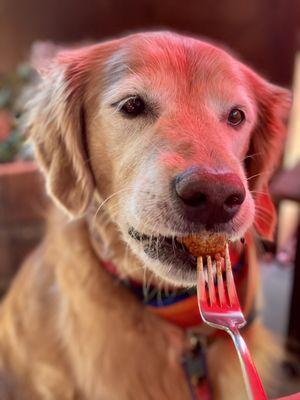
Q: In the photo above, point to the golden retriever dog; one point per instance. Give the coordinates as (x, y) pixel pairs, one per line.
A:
(142, 140)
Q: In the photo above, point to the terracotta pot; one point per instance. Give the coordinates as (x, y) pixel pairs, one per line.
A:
(23, 205)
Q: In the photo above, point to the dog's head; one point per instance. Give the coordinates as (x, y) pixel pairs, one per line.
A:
(176, 135)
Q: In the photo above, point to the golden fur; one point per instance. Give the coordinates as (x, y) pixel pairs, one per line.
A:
(67, 329)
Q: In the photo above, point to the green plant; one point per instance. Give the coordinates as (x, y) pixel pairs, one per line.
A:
(11, 138)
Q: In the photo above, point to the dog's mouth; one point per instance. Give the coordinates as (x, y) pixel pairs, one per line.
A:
(167, 250)
(177, 256)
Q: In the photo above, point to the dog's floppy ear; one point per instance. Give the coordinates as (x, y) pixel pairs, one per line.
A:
(266, 145)
(56, 125)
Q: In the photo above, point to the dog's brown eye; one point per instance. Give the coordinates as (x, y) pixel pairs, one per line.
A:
(133, 107)
(235, 117)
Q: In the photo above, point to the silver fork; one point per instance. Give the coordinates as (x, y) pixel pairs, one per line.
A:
(220, 307)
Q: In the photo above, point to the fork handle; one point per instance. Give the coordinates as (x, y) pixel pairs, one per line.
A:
(252, 380)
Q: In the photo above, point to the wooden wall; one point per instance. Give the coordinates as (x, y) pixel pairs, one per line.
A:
(263, 32)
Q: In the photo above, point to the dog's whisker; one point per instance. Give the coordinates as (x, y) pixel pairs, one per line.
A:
(257, 175)
(253, 176)
(109, 198)
(105, 201)
(258, 192)
(252, 155)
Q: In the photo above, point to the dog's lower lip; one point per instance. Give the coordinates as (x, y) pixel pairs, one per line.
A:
(165, 249)
(137, 236)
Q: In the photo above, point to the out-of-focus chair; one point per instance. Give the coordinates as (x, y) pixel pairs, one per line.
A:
(286, 186)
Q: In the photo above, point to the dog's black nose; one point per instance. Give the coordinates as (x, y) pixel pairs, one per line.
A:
(209, 198)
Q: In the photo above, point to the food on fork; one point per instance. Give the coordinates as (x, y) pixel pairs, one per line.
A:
(205, 245)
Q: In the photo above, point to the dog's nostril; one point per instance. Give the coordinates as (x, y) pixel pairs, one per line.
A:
(233, 200)
(189, 190)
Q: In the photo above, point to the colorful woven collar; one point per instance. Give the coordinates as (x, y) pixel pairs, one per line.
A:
(179, 307)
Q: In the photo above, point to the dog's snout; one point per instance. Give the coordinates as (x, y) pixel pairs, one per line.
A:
(209, 198)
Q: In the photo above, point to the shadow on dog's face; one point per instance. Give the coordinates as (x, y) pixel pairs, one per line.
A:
(181, 138)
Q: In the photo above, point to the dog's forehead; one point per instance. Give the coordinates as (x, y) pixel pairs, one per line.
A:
(176, 53)
(156, 60)
(170, 53)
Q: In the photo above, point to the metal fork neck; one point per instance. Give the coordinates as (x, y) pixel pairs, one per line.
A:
(254, 386)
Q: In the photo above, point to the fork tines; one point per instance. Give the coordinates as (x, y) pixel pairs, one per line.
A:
(210, 280)
(214, 288)
(233, 298)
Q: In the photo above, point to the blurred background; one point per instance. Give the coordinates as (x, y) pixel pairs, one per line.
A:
(264, 33)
